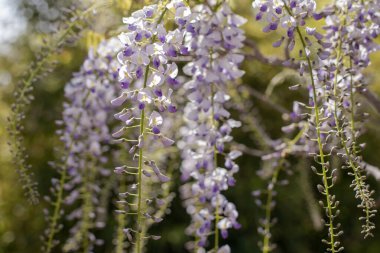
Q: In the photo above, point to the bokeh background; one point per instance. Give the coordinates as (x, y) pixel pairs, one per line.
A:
(22, 25)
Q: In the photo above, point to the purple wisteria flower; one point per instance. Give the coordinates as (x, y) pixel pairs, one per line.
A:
(351, 27)
(290, 17)
(276, 15)
(293, 16)
(148, 76)
(214, 42)
(85, 134)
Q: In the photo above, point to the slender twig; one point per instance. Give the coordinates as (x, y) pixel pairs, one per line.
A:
(257, 94)
(372, 98)
(322, 156)
(273, 61)
(53, 221)
(23, 98)
(140, 168)
(215, 150)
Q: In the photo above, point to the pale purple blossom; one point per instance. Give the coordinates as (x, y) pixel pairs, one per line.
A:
(86, 135)
(148, 67)
(214, 42)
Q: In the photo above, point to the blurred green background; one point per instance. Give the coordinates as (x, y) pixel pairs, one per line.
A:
(21, 25)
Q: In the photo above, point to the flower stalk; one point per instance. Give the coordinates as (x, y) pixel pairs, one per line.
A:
(321, 155)
(215, 163)
(23, 97)
(281, 164)
(325, 189)
(53, 220)
(140, 168)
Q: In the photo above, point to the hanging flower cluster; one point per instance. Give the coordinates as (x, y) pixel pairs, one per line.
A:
(351, 27)
(148, 76)
(350, 31)
(76, 20)
(85, 134)
(214, 42)
(293, 15)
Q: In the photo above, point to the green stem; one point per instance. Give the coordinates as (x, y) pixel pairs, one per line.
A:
(358, 176)
(319, 141)
(57, 209)
(80, 240)
(121, 222)
(140, 167)
(160, 213)
(58, 203)
(352, 164)
(268, 205)
(352, 120)
(20, 104)
(87, 208)
(268, 212)
(215, 151)
(140, 161)
(320, 147)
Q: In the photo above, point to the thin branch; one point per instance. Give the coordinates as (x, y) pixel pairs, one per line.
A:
(372, 98)
(257, 55)
(257, 94)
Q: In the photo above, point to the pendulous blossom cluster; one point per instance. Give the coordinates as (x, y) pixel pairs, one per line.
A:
(352, 27)
(85, 135)
(292, 15)
(76, 20)
(148, 77)
(214, 42)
